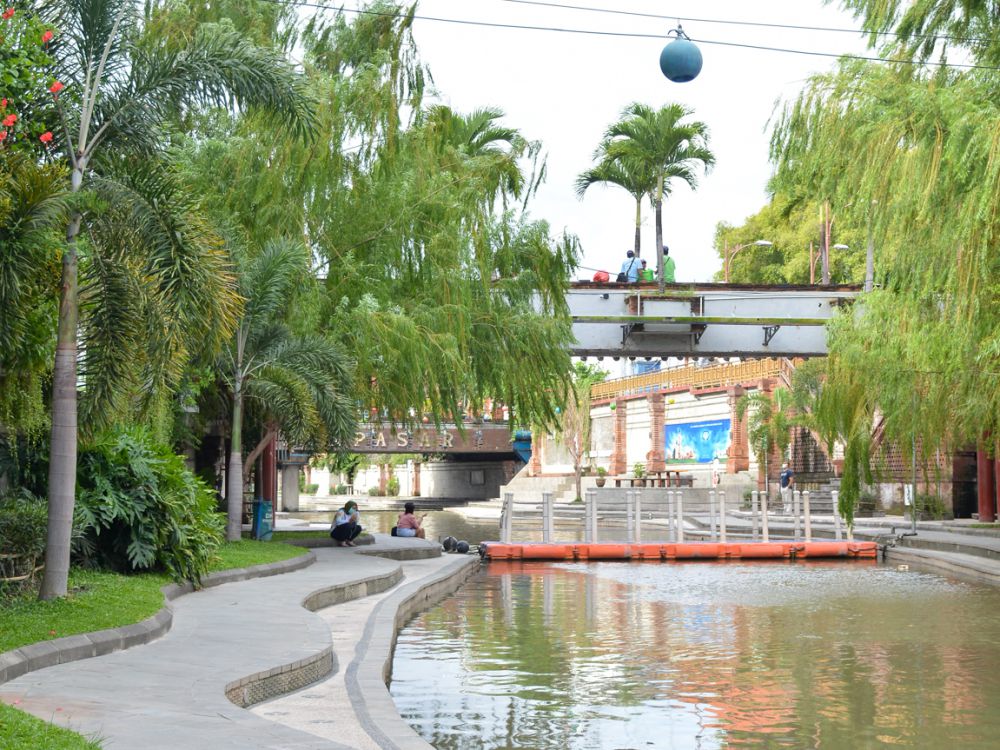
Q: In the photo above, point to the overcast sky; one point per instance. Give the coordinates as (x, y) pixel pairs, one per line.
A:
(565, 89)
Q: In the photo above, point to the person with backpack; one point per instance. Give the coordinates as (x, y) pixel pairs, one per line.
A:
(630, 269)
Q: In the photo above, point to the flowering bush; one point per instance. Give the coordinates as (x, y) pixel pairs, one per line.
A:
(27, 90)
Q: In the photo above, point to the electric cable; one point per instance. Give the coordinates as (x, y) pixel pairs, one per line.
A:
(728, 22)
(637, 35)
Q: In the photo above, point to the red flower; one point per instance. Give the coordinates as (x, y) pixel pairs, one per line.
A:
(3, 104)
(46, 136)
(8, 13)
(56, 87)
(3, 135)
(47, 37)
(9, 120)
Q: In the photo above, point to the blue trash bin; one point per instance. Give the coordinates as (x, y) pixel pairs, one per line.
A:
(262, 529)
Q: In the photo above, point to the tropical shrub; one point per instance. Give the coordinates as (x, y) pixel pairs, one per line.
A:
(392, 486)
(375, 492)
(639, 470)
(23, 517)
(140, 508)
(340, 489)
(311, 489)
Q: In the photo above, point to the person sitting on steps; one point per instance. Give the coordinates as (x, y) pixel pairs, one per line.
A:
(346, 525)
(408, 524)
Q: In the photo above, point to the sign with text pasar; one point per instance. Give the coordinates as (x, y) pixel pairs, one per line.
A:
(473, 438)
(696, 442)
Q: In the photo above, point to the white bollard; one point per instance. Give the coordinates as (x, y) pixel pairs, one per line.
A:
(507, 520)
(680, 516)
(629, 516)
(670, 516)
(763, 517)
(837, 533)
(711, 515)
(754, 504)
(722, 516)
(796, 500)
(547, 517)
(589, 511)
(807, 516)
(637, 507)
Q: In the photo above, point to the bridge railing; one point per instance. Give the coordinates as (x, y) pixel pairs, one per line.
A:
(691, 376)
(637, 517)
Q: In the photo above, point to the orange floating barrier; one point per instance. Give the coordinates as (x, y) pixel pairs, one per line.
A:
(679, 551)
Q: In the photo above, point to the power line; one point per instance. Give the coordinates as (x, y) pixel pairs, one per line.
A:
(728, 22)
(633, 35)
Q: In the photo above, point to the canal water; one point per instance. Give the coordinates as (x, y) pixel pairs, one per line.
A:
(704, 655)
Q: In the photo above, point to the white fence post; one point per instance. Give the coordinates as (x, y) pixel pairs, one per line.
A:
(722, 516)
(546, 517)
(678, 496)
(807, 516)
(796, 504)
(711, 515)
(670, 516)
(837, 533)
(763, 517)
(589, 513)
(638, 516)
(508, 512)
(629, 516)
(754, 504)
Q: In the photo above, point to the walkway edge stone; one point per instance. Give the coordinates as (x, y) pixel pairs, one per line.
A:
(368, 676)
(35, 656)
(285, 678)
(986, 570)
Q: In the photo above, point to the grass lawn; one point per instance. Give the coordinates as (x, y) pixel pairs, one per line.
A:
(20, 730)
(97, 600)
(284, 536)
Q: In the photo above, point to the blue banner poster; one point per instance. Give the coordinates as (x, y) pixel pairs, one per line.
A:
(696, 442)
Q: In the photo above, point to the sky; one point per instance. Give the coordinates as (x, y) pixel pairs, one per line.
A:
(564, 89)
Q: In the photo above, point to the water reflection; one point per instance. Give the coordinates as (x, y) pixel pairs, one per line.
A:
(617, 655)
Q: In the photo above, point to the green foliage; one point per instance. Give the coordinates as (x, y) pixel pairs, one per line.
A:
(25, 76)
(22, 524)
(769, 424)
(311, 489)
(931, 507)
(639, 470)
(140, 508)
(22, 731)
(375, 492)
(392, 486)
(601, 471)
(338, 489)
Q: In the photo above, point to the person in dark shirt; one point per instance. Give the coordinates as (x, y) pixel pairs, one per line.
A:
(786, 480)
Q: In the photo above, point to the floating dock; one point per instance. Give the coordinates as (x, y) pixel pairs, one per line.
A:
(579, 551)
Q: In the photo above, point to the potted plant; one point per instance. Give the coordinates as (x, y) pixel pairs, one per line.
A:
(602, 474)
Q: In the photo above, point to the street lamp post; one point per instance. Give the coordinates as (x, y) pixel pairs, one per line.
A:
(731, 253)
(813, 259)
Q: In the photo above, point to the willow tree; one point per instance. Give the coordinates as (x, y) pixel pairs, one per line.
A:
(662, 144)
(438, 282)
(915, 152)
(120, 91)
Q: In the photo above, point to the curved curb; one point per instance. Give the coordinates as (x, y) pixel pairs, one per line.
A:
(44, 654)
(984, 570)
(367, 677)
(270, 683)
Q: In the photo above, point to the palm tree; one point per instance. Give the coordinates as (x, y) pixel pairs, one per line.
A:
(770, 423)
(647, 140)
(611, 172)
(121, 91)
(300, 384)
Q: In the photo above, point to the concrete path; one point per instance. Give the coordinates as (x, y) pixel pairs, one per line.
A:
(172, 693)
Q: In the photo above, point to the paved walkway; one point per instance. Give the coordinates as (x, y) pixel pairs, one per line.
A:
(171, 692)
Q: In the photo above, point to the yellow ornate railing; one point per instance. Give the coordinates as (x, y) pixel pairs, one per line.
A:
(690, 376)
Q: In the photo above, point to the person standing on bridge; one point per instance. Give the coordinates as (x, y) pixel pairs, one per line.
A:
(630, 269)
(646, 274)
(669, 267)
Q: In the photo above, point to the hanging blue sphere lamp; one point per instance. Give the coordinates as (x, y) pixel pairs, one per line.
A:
(680, 60)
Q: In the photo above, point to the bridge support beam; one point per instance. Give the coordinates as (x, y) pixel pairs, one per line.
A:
(656, 457)
(739, 451)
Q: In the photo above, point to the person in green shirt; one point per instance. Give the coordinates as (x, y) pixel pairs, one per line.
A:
(646, 274)
(669, 267)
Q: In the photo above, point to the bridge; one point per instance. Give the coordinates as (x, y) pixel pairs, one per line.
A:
(719, 320)
(480, 438)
